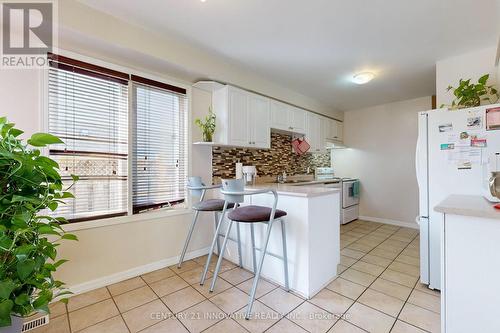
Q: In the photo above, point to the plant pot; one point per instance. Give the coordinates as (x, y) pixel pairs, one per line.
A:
(207, 137)
(15, 327)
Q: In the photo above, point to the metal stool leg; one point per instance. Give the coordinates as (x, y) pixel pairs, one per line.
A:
(221, 255)
(216, 220)
(285, 255)
(240, 257)
(254, 255)
(214, 241)
(186, 243)
(257, 275)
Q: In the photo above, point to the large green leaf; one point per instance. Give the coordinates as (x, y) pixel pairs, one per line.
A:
(6, 288)
(43, 139)
(5, 308)
(25, 268)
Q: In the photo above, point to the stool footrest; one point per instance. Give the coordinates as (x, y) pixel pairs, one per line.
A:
(271, 254)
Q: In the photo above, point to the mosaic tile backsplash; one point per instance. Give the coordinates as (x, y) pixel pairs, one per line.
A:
(269, 162)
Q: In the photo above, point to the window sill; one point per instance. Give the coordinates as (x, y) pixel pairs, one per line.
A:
(154, 215)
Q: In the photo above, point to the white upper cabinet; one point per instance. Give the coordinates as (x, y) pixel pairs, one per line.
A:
(258, 120)
(288, 118)
(314, 133)
(245, 119)
(279, 116)
(242, 118)
(340, 131)
(239, 131)
(298, 120)
(332, 130)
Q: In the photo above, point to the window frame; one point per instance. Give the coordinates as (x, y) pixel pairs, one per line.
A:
(153, 215)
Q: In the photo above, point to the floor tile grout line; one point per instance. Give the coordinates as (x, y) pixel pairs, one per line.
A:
(387, 237)
(345, 312)
(160, 298)
(344, 296)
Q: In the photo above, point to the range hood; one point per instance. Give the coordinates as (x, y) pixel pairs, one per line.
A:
(334, 144)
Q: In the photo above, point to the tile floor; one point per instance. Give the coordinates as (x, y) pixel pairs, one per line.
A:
(376, 291)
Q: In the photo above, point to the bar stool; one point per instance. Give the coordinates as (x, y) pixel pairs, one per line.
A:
(198, 189)
(234, 192)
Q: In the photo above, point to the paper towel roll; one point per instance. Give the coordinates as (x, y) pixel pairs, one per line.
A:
(239, 170)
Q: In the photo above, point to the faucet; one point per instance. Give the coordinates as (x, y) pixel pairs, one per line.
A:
(281, 178)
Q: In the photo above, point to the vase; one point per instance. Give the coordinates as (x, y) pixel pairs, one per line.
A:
(207, 137)
(15, 326)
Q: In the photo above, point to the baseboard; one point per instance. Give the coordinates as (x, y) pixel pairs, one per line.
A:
(412, 225)
(133, 272)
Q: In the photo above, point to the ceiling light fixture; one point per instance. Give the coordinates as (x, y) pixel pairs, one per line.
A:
(363, 77)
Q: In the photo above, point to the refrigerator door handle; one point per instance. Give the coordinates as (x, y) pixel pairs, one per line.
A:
(417, 164)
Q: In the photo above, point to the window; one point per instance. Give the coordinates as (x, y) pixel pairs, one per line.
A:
(88, 108)
(160, 142)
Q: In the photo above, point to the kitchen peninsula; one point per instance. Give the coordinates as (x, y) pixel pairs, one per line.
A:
(312, 235)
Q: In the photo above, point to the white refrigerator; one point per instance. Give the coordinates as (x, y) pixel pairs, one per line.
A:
(450, 159)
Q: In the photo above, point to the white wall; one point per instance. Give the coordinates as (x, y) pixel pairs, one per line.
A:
(471, 65)
(381, 153)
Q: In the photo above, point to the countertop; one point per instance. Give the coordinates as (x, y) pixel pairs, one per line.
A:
(468, 205)
(294, 190)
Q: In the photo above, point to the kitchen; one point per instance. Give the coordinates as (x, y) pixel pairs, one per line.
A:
(312, 172)
(254, 139)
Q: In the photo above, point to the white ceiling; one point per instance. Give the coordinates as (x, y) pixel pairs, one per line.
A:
(315, 46)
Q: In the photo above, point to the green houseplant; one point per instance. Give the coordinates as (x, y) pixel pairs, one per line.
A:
(469, 94)
(208, 126)
(31, 184)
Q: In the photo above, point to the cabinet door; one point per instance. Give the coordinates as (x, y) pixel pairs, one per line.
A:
(280, 116)
(238, 118)
(258, 121)
(326, 128)
(313, 135)
(298, 120)
(340, 131)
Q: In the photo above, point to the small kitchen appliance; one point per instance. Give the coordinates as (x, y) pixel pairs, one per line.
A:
(249, 174)
(492, 192)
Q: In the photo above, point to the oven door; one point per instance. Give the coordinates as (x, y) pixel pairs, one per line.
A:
(348, 198)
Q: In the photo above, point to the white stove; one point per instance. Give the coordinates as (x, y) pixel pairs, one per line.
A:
(349, 197)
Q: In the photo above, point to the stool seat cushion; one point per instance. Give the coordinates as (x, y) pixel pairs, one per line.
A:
(253, 214)
(211, 205)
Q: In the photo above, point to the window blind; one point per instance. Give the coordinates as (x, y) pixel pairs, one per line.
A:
(160, 145)
(88, 110)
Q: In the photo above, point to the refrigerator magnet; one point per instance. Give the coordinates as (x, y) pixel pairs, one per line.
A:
(493, 119)
(447, 146)
(445, 127)
(474, 122)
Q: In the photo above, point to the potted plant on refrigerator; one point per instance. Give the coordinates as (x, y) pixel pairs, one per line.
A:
(31, 186)
(468, 95)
